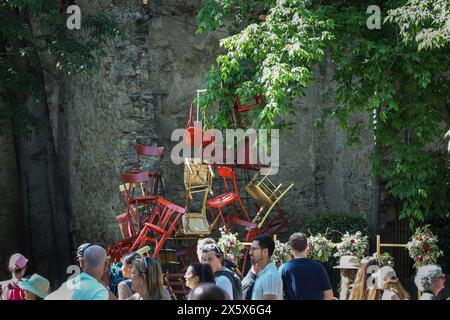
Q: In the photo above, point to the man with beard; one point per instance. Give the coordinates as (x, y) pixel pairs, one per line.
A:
(268, 284)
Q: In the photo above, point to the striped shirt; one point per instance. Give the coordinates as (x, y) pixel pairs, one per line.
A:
(268, 282)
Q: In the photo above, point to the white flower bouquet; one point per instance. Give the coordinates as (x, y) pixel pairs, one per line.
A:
(320, 248)
(352, 245)
(231, 246)
(282, 253)
(423, 247)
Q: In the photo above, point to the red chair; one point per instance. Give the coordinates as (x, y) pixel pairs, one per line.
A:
(138, 199)
(154, 173)
(230, 197)
(176, 284)
(244, 106)
(160, 226)
(117, 249)
(126, 225)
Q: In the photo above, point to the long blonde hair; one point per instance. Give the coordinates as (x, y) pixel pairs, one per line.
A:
(360, 290)
(347, 279)
(396, 287)
(154, 284)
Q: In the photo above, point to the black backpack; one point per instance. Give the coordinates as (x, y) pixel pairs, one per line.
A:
(235, 283)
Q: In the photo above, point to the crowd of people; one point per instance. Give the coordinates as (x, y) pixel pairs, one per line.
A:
(139, 277)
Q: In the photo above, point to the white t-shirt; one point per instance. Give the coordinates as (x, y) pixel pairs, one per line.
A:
(224, 283)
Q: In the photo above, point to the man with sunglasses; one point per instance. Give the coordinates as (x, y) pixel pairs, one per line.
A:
(225, 279)
(268, 284)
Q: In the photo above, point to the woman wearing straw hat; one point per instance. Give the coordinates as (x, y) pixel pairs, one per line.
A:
(348, 266)
(36, 287)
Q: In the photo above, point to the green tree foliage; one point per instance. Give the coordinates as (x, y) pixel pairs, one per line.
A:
(379, 72)
(32, 27)
(425, 22)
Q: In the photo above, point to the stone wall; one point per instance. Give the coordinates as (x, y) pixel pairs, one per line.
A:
(11, 219)
(142, 92)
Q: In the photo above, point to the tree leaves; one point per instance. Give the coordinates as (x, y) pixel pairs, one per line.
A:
(402, 86)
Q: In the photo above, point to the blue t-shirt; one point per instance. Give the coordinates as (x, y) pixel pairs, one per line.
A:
(81, 287)
(304, 279)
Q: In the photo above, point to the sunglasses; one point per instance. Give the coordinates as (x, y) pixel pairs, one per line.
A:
(80, 253)
(212, 247)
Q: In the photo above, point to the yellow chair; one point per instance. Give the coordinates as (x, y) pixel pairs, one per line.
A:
(198, 178)
(267, 194)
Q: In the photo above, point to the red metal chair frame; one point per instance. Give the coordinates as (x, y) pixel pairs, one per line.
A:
(227, 198)
(155, 173)
(160, 226)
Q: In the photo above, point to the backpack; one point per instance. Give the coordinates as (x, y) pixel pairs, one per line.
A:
(234, 268)
(235, 283)
(15, 292)
(115, 277)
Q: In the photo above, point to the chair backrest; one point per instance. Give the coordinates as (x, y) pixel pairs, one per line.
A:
(149, 151)
(227, 172)
(140, 177)
(166, 215)
(197, 174)
(124, 225)
(132, 182)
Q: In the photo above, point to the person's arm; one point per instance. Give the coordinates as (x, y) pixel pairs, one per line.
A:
(326, 286)
(328, 295)
(123, 290)
(111, 295)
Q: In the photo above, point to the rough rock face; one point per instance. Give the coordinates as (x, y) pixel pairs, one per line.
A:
(11, 223)
(142, 92)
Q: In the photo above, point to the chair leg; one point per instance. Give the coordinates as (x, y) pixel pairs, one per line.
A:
(212, 212)
(244, 262)
(243, 208)
(139, 239)
(223, 218)
(158, 246)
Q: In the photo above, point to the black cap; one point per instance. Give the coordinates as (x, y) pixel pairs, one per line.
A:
(81, 248)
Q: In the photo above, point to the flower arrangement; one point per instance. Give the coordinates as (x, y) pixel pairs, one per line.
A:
(282, 253)
(352, 244)
(320, 248)
(231, 246)
(423, 247)
(384, 260)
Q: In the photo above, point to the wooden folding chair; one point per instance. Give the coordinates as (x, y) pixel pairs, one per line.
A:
(267, 194)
